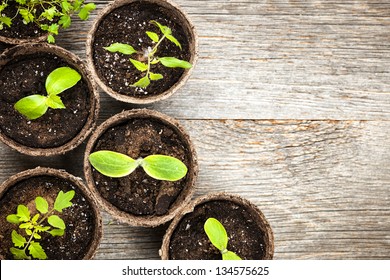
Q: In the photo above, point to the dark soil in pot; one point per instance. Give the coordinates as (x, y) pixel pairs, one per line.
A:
(137, 198)
(83, 222)
(23, 71)
(250, 235)
(126, 22)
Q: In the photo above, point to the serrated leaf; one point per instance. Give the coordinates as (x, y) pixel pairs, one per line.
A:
(65, 6)
(51, 39)
(35, 218)
(163, 167)
(61, 79)
(36, 251)
(65, 21)
(121, 48)
(139, 65)
(55, 102)
(56, 222)
(23, 213)
(112, 164)
(32, 107)
(216, 233)
(19, 254)
(85, 11)
(26, 15)
(142, 83)
(173, 62)
(230, 256)
(57, 232)
(49, 13)
(153, 36)
(39, 228)
(13, 218)
(173, 40)
(17, 239)
(53, 28)
(6, 20)
(155, 77)
(26, 225)
(42, 205)
(63, 200)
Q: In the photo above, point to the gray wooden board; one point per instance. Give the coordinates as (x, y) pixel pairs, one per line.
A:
(288, 106)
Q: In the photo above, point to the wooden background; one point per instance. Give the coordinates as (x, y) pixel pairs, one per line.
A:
(288, 106)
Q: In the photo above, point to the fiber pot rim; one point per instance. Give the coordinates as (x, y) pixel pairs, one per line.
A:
(185, 195)
(193, 42)
(269, 237)
(45, 171)
(78, 64)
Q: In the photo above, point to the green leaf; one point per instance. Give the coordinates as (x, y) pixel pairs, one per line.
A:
(230, 256)
(26, 15)
(28, 232)
(13, 219)
(57, 232)
(112, 164)
(66, 7)
(154, 61)
(37, 236)
(27, 225)
(41, 204)
(63, 200)
(19, 254)
(35, 218)
(173, 40)
(56, 222)
(17, 239)
(121, 48)
(65, 21)
(49, 13)
(32, 107)
(164, 29)
(61, 79)
(39, 228)
(85, 11)
(142, 83)
(216, 232)
(153, 36)
(139, 65)
(55, 102)
(155, 77)
(23, 213)
(163, 167)
(51, 39)
(173, 62)
(6, 20)
(53, 28)
(36, 251)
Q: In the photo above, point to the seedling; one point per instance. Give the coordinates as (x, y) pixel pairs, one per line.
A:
(116, 165)
(148, 57)
(35, 226)
(36, 105)
(217, 235)
(49, 15)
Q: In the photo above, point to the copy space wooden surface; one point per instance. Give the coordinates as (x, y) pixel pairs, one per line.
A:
(288, 106)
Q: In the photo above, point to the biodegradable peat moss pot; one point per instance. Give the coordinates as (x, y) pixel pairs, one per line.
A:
(23, 72)
(83, 222)
(249, 234)
(137, 198)
(126, 22)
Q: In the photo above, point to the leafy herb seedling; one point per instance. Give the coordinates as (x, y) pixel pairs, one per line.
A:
(160, 167)
(36, 105)
(148, 57)
(217, 235)
(49, 15)
(36, 225)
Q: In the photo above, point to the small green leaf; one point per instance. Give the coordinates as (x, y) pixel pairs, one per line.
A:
(26, 15)
(49, 13)
(163, 167)
(14, 219)
(112, 164)
(85, 11)
(154, 61)
(153, 36)
(37, 236)
(51, 39)
(28, 231)
(61, 79)
(139, 65)
(23, 213)
(57, 232)
(230, 256)
(65, 6)
(164, 29)
(155, 77)
(32, 107)
(56, 222)
(27, 225)
(42, 205)
(121, 48)
(216, 232)
(36, 251)
(55, 102)
(19, 254)
(35, 218)
(6, 20)
(17, 239)
(173, 40)
(53, 28)
(65, 21)
(63, 200)
(39, 228)
(173, 62)
(142, 83)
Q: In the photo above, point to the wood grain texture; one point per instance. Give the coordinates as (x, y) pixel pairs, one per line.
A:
(288, 106)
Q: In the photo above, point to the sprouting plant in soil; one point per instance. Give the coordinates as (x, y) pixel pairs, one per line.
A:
(27, 245)
(217, 235)
(36, 105)
(160, 167)
(149, 57)
(48, 15)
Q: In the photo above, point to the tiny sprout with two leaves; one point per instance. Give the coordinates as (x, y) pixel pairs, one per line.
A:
(217, 235)
(35, 226)
(116, 165)
(36, 105)
(150, 55)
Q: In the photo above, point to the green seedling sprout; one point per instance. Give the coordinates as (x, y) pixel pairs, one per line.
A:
(36, 105)
(217, 235)
(116, 165)
(48, 15)
(27, 245)
(149, 55)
